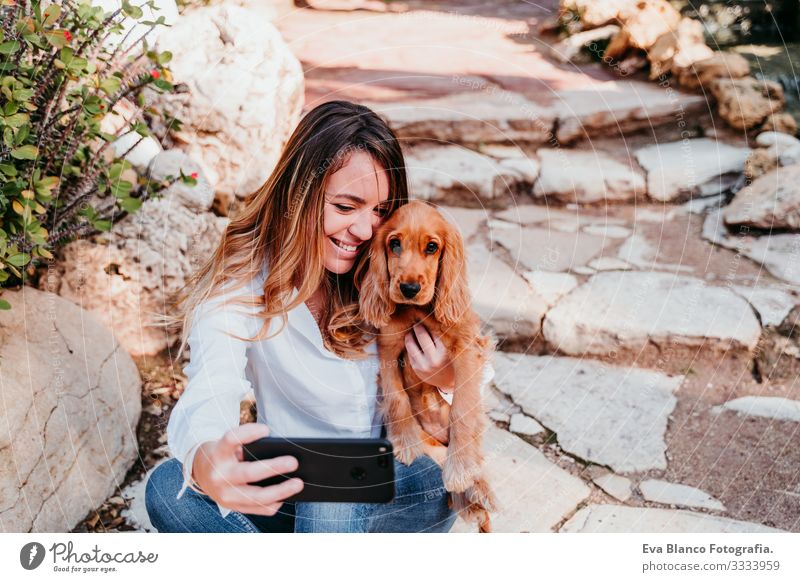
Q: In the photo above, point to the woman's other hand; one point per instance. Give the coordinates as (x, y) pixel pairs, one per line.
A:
(428, 358)
(220, 471)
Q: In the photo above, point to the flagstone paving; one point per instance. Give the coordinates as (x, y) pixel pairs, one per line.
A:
(631, 318)
(592, 231)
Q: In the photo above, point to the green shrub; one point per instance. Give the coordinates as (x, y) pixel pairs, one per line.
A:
(64, 66)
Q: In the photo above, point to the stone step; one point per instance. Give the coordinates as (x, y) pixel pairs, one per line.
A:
(492, 114)
(634, 316)
(621, 519)
(502, 176)
(607, 415)
(534, 494)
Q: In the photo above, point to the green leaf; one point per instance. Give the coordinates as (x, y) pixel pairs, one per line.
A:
(121, 188)
(19, 260)
(8, 170)
(9, 47)
(11, 108)
(51, 14)
(163, 85)
(130, 204)
(16, 120)
(141, 128)
(131, 10)
(23, 94)
(111, 85)
(56, 38)
(27, 152)
(22, 134)
(4, 304)
(164, 57)
(103, 225)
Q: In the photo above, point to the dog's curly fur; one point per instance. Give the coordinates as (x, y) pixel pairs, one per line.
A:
(416, 245)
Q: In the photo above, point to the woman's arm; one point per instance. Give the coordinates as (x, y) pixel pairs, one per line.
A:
(209, 407)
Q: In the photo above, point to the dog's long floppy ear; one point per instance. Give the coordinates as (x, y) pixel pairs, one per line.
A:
(452, 299)
(375, 306)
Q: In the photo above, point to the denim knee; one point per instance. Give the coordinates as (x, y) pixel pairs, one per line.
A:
(192, 512)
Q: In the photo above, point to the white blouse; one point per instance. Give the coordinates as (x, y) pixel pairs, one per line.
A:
(301, 388)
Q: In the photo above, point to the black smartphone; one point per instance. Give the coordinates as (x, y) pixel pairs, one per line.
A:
(332, 469)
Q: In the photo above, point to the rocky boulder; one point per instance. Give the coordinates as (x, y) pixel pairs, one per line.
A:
(243, 94)
(625, 312)
(72, 401)
(128, 277)
(746, 103)
(679, 170)
(771, 201)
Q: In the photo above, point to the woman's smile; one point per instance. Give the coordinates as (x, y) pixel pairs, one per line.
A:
(346, 250)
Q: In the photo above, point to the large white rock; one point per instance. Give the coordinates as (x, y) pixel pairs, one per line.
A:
(776, 252)
(628, 309)
(773, 407)
(468, 220)
(502, 298)
(470, 118)
(772, 305)
(638, 251)
(767, 139)
(771, 201)
(551, 286)
(621, 519)
(534, 494)
(620, 106)
(72, 401)
(244, 96)
(665, 492)
(457, 175)
(199, 196)
(617, 486)
(678, 170)
(585, 177)
(545, 249)
(604, 414)
(130, 279)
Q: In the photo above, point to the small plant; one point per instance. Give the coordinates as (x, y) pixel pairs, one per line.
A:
(67, 70)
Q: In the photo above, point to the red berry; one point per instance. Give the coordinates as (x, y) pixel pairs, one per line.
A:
(155, 74)
(67, 35)
(194, 175)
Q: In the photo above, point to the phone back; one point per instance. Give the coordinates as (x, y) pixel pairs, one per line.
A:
(332, 469)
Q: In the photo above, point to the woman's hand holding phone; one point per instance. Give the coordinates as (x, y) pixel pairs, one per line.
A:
(222, 474)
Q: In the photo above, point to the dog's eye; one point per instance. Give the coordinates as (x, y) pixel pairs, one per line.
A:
(394, 246)
(431, 248)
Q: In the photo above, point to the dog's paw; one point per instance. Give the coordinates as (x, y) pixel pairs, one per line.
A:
(459, 472)
(407, 446)
(482, 495)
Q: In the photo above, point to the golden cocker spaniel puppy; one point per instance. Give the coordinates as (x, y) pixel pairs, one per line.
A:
(417, 273)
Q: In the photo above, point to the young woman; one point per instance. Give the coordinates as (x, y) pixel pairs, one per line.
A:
(273, 311)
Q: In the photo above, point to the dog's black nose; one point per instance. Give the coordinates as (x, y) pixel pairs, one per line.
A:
(409, 290)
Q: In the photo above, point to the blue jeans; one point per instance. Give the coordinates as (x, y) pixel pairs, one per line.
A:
(420, 505)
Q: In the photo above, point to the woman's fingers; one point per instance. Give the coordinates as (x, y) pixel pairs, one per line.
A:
(414, 353)
(253, 471)
(232, 440)
(251, 495)
(424, 338)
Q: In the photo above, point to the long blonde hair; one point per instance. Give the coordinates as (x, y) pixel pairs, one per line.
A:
(281, 223)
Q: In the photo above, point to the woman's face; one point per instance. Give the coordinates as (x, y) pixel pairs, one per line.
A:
(356, 199)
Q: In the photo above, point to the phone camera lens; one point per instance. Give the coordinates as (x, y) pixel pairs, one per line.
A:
(383, 462)
(358, 473)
